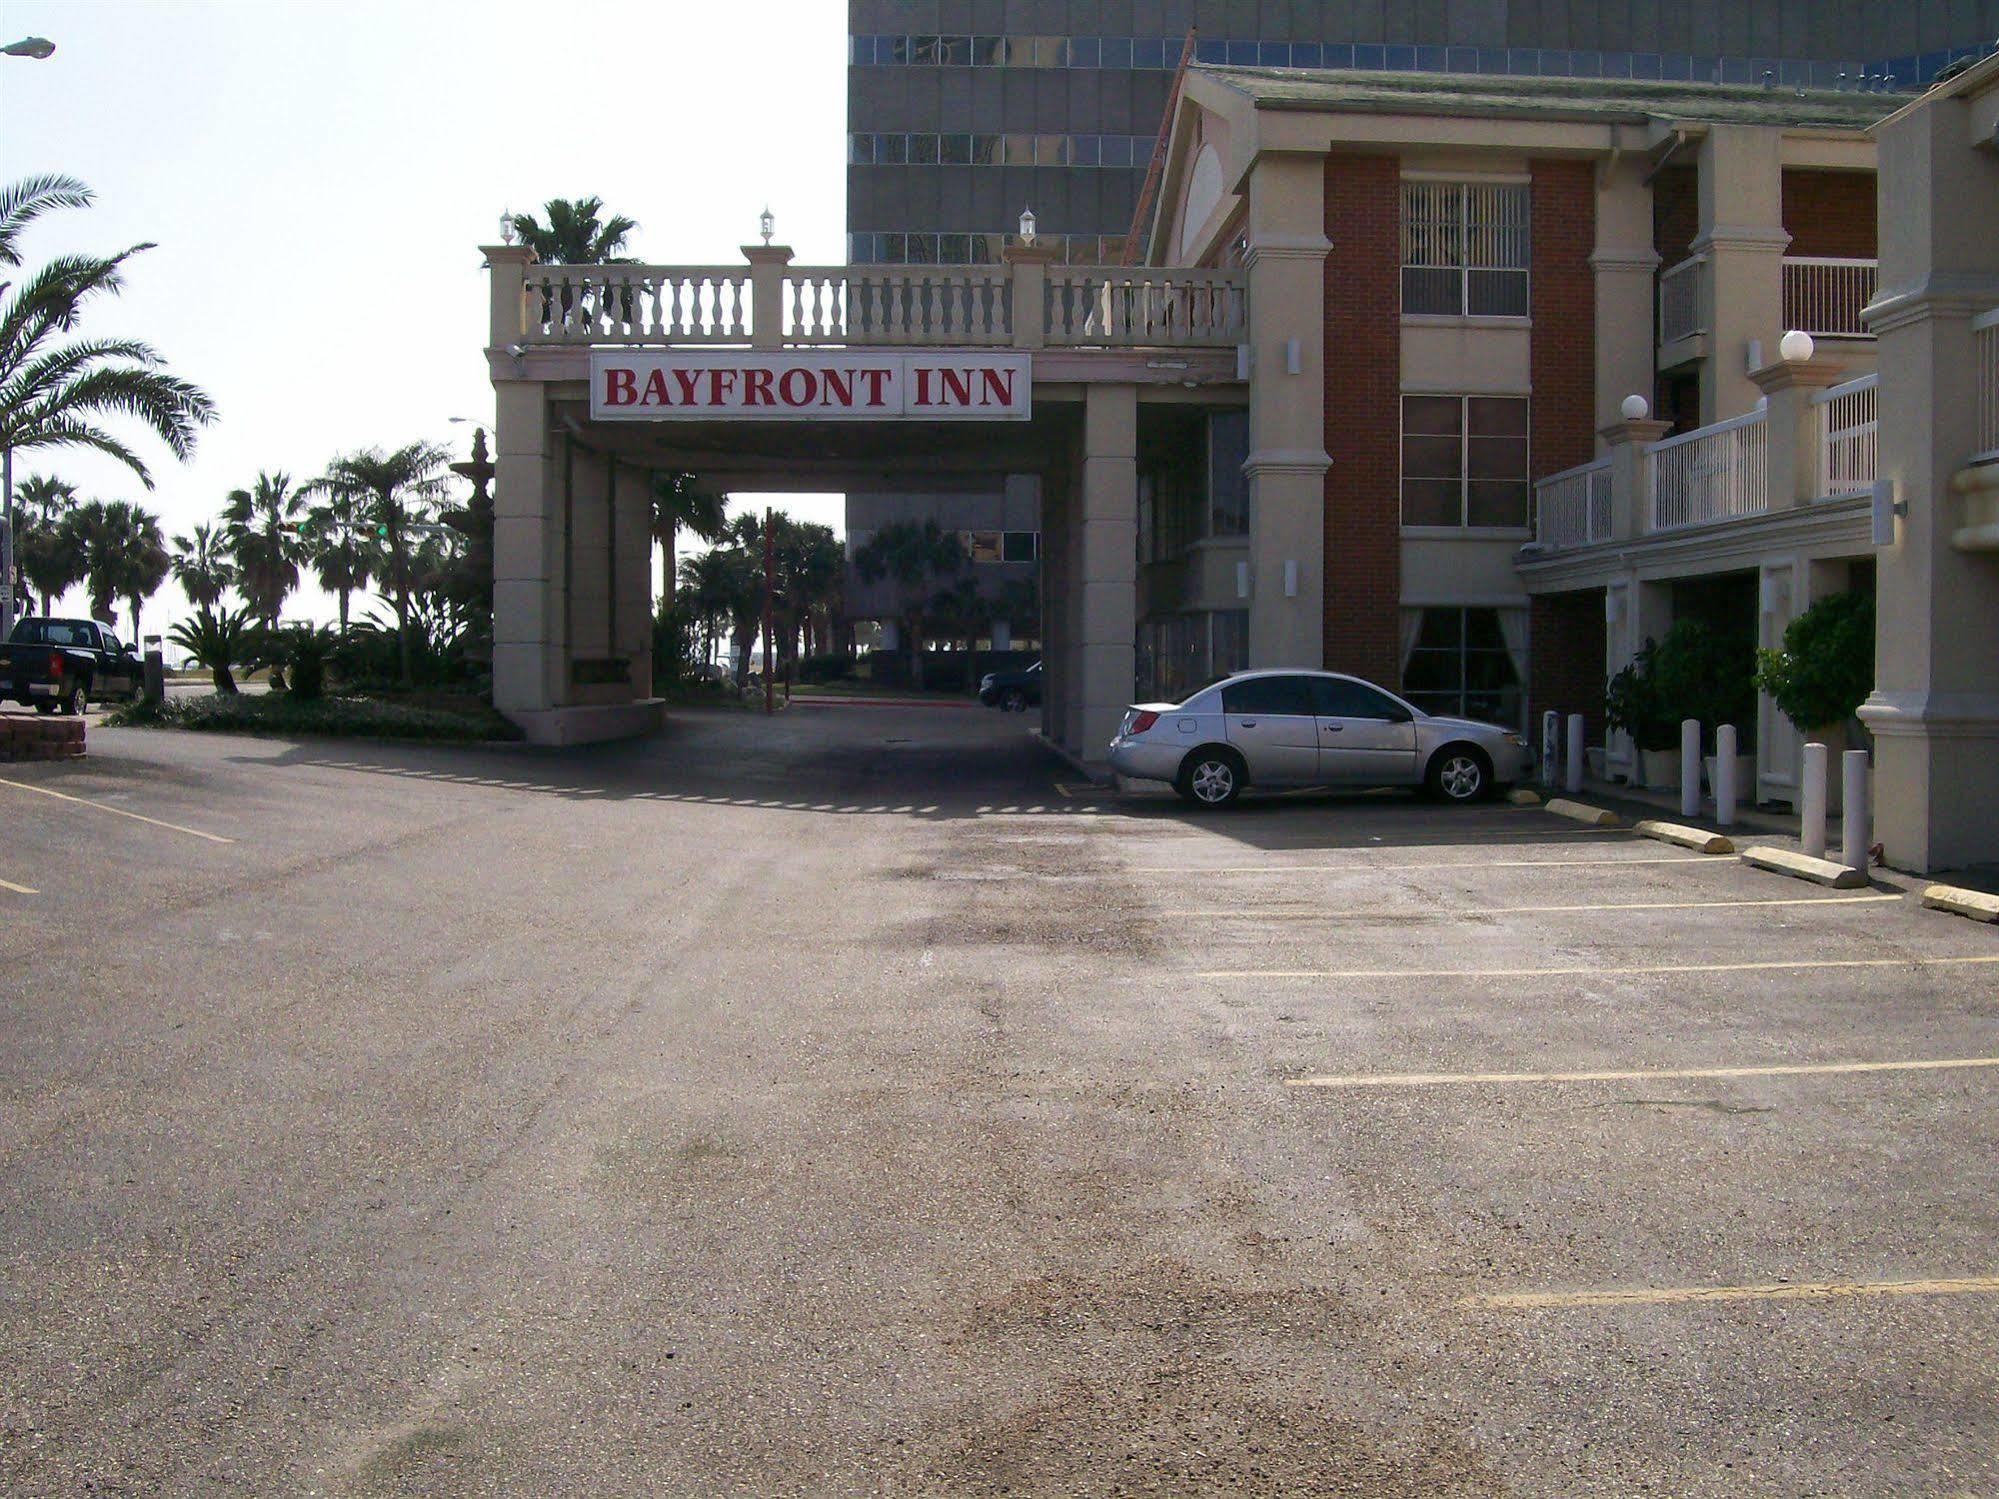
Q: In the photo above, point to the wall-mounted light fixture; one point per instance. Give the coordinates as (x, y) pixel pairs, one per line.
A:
(1886, 508)
(1294, 357)
(1290, 578)
(1242, 580)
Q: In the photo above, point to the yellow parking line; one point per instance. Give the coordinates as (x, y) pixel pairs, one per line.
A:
(1372, 868)
(1599, 969)
(18, 889)
(1627, 1074)
(1643, 905)
(1809, 1290)
(62, 796)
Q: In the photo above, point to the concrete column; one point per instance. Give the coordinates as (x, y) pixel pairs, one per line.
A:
(507, 285)
(1778, 745)
(1630, 487)
(1935, 707)
(767, 263)
(1742, 234)
(1287, 461)
(527, 554)
(631, 522)
(1790, 430)
(1030, 292)
(1625, 264)
(1057, 506)
(590, 553)
(1106, 584)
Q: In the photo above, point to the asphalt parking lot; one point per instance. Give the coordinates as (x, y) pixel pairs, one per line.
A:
(858, 1102)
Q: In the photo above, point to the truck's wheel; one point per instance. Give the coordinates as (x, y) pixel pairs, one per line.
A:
(78, 702)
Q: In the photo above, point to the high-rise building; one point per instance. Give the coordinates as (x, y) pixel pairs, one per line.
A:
(961, 113)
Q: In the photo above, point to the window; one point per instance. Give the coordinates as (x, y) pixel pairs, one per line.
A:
(1178, 654)
(1290, 696)
(1339, 697)
(1228, 487)
(1462, 666)
(1464, 461)
(1020, 546)
(1465, 248)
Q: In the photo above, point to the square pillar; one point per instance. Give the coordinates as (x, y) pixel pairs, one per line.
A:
(1106, 582)
(1625, 264)
(1742, 234)
(528, 598)
(1791, 427)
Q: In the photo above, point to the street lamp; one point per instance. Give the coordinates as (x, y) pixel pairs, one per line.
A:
(37, 47)
(508, 228)
(766, 225)
(1027, 226)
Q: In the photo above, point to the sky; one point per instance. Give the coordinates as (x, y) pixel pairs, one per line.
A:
(317, 178)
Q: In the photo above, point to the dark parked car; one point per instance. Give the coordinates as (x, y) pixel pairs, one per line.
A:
(65, 663)
(1012, 691)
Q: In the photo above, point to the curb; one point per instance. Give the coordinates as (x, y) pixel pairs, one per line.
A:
(1805, 867)
(1520, 796)
(1976, 904)
(1596, 817)
(1698, 839)
(1100, 778)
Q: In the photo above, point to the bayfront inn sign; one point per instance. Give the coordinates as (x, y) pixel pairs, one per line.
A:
(949, 385)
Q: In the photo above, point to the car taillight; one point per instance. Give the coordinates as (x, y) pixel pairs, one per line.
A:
(55, 664)
(1140, 722)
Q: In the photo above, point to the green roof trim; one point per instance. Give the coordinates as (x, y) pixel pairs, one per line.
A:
(1625, 100)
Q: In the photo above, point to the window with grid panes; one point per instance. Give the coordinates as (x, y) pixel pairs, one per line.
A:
(1464, 461)
(1465, 248)
(1460, 667)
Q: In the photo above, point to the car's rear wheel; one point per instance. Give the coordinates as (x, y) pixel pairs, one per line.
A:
(1015, 701)
(78, 702)
(1210, 777)
(1459, 773)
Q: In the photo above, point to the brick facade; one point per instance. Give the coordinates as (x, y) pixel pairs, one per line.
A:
(1562, 346)
(1566, 663)
(1363, 307)
(1830, 214)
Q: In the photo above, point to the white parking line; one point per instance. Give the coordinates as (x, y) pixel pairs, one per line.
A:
(1601, 970)
(1266, 913)
(62, 796)
(18, 889)
(1808, 1290)
(1383, 868)
(1624, 1074)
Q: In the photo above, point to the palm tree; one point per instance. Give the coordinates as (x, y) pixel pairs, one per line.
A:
(679, 504)
(124, 555)
(573, 235)
(219, 641)
(46, 553)
(725, 587)
(53, 392)
(264, 525)
(915, 558)
(343, 549)
(202, 565)
(397, 492)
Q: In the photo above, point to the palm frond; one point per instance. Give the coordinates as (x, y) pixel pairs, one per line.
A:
(22, 202)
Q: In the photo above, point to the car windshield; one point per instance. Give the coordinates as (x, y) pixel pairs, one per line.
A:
(54, 632)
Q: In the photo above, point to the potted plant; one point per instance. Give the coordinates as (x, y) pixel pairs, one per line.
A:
(1823, 671)
(1632, 703)
(1708, 677)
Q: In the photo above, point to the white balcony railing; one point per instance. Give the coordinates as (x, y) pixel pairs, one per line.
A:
(1168, 308)
(1683, 301)
(1572, 508)
(653, 304)
(1712, 473)
(1847, 437)
(1823, 297)
(1985, 357)
(965, 305)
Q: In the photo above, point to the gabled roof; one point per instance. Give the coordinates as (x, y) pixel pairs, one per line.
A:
(1607, 100)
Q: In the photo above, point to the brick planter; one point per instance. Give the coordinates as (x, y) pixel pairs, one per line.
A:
(41, 738)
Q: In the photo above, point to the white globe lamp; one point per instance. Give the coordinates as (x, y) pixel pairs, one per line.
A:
(1795, 346)
(1635, 408)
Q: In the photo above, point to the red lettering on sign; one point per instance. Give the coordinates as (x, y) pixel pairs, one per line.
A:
(837, 388)
(922, 387)
(957, 386)
(720, 382)
(803, 382)
(656, 392)
(992, 387)
(876, 379)
(621, 387)
(756, 388)
(687, 380)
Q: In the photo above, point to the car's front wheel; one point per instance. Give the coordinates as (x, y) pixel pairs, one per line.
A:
(1459, 773)
(1015, 700)
(1210, 778)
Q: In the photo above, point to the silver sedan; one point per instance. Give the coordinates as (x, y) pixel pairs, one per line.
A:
(1311, 728)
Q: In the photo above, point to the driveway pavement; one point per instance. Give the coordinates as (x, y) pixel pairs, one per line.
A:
(851, 1102)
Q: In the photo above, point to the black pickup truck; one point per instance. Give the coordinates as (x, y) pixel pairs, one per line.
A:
(65, 663)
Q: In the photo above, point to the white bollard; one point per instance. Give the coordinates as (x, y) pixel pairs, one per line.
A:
(1724, 776)
(1572, 763)
(1811, 822)
(1854, 823)
(1551, 748)
(1690, 767)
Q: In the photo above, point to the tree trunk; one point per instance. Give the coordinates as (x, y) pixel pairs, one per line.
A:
(343, 612)
(225, 680)
(403, 631)
(916, 653)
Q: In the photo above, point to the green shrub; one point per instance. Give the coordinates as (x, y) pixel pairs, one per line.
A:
(1632, 703)
(301, 653)
(1825, 668)
(827, 668)
(344, 717)
(1706, 675)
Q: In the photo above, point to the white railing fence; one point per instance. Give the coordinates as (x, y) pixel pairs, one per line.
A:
(1823, 296)
(1709, 474)
(1683, 300)
(1985, 357)
(967, 305)
(1847, 437)
(1092, 305)
(638, 304)
(1572, 508)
